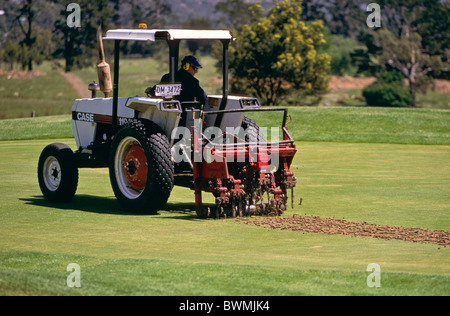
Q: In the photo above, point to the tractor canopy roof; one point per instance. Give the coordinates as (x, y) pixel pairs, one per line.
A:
(168, 34)
(173, 38)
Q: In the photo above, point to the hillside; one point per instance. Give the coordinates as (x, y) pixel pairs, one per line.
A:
(187, 9)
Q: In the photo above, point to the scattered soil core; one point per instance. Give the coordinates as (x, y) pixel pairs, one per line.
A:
(332, 226)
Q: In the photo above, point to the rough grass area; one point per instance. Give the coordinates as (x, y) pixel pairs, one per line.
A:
(47, 92)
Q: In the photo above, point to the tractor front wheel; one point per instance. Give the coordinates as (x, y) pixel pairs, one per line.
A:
(141, 170)
(57, 173)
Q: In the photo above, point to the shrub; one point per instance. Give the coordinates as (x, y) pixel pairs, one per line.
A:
(388, 90)
(391, 77)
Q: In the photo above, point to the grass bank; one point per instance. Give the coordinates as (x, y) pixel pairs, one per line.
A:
(325, 124)
(364, 125)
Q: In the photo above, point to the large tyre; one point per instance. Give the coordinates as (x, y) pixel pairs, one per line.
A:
(254, 133)
(140, 168)
(57, 173)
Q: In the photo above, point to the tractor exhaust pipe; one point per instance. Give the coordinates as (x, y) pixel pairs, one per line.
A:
(103, 69)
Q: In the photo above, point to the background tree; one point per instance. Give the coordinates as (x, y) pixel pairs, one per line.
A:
(405, 54)
(131, 13)
(29, 24)
(235, 13)
(77, 45)
(343, 17)
(11, 53)
(434, 28)
(278, 53)
(198, 24)
(25, 19)
(400, 45)
(340, 48)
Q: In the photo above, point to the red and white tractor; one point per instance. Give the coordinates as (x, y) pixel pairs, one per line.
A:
(151, 144)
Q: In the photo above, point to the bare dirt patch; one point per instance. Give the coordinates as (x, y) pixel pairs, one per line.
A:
(17, 74)
(442, 86)
(77, 84)
(332, 226)
(349, 83)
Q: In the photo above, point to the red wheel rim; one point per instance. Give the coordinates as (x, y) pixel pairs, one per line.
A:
(135, 166)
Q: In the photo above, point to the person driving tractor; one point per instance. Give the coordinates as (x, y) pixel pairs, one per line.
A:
(190, 86)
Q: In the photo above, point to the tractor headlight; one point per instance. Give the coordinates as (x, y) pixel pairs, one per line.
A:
(171, 105)
(245, 102)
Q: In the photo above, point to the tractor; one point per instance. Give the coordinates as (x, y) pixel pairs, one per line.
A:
(152, 143)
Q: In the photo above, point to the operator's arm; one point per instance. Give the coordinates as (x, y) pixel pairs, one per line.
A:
(197, 91)
(201, 95)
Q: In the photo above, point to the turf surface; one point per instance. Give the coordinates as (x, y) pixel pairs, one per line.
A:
(174, 253)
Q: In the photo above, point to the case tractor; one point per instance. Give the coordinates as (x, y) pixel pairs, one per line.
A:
(152, 143)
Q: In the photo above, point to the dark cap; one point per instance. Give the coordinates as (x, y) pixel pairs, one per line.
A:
(191, 60)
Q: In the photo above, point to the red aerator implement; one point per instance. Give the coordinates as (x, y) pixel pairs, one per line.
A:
(151, 144)
(248, 177)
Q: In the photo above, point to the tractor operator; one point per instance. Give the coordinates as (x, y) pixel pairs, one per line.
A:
(190, 86)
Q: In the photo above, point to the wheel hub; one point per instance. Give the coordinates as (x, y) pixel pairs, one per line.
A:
(131, 167)
(52, 173)
(135, 166)
(55, 173)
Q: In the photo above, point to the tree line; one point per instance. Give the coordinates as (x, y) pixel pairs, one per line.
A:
(297, 43)
(291, 46)
(36, 30)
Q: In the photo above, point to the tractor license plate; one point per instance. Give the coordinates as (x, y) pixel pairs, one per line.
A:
(167, 90)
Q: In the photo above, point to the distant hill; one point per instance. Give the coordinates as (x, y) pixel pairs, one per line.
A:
(187, 9)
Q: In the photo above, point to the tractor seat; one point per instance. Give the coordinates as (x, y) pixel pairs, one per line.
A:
(191, 110)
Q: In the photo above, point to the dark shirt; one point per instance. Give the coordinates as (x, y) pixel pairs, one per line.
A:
(190, 86)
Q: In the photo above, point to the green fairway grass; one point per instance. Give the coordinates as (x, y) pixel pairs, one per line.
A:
(174, 253)
(36, 128)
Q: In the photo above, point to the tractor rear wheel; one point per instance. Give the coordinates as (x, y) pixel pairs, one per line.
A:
(141, 170)
(254, 133)
(57, 173)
